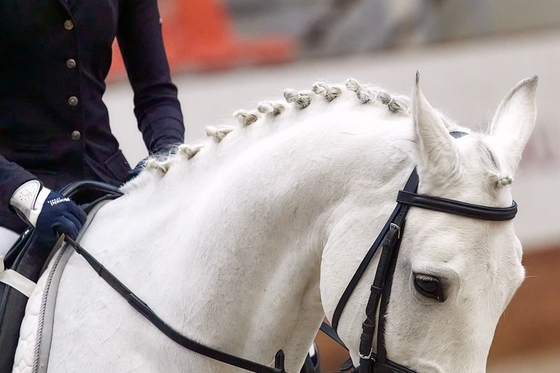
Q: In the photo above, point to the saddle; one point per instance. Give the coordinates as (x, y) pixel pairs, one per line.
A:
(29, 257)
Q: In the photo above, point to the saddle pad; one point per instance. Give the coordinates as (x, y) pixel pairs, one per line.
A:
(26, 357)
(28, 258)
(36, 329)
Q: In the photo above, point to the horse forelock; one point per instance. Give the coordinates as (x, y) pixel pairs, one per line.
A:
(481, 164)
(498, 177)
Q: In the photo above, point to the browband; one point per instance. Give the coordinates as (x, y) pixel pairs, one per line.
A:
(457, 207)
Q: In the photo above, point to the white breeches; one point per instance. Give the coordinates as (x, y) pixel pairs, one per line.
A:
(7, 239)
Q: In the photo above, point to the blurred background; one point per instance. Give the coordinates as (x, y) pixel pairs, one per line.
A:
(227, 55)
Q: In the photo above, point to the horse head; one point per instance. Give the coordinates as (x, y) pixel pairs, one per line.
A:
(454, 275)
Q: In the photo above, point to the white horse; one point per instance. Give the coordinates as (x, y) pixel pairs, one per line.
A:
(246, 241)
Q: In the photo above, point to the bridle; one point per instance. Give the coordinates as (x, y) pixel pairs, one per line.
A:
(389, 239)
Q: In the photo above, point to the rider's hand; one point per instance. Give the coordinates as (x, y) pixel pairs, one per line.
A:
(48, 211)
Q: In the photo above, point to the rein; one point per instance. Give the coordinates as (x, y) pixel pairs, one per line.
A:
(143, 308)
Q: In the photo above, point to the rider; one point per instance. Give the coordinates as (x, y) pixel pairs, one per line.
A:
(54, 58)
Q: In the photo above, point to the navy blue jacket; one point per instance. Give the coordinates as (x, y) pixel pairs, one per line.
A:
(54, 58)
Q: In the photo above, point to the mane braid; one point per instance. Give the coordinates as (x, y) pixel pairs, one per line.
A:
(294, 101)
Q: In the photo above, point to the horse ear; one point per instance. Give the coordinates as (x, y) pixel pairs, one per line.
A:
(514, 120)
(436, 149)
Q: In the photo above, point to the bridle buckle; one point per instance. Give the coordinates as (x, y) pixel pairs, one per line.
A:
(398, 228)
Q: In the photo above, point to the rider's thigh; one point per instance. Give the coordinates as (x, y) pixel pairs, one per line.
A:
(7, 239)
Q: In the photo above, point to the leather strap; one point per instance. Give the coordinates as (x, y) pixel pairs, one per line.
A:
(450, 206)
(411, 185)
(329, 331)
(141, 306)
(16, 280)
(379, 294)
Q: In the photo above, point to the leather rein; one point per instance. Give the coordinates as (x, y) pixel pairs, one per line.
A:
(143, 308)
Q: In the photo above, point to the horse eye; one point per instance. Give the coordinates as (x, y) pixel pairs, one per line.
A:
(429, 286)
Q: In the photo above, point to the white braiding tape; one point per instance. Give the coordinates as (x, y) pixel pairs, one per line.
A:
(16, 280)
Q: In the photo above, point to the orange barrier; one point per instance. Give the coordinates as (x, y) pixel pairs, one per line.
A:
(199, 36)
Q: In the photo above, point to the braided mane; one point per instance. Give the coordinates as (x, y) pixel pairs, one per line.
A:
(295, 102)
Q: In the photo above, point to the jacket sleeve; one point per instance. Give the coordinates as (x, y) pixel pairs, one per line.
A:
(11, 177)
(157, 108)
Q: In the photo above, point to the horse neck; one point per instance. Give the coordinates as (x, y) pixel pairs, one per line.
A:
(253, 228)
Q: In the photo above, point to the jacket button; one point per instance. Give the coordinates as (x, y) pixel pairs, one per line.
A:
(71, 63)
(73, 101)
(68, 25)
(76, 135)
